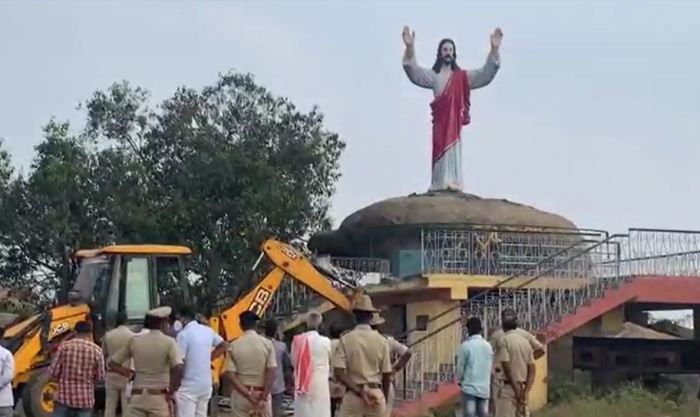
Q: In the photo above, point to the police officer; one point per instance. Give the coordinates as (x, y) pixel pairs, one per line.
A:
(362, 362)
(156, 357)
(495, 337)
(250, 368)
(115, 384)
(398, 351)
(515, 356)
(337, 388)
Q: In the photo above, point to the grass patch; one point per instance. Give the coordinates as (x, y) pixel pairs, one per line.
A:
(628, 401)
(570, 399)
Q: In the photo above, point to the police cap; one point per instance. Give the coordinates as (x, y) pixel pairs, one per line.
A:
(160, 312)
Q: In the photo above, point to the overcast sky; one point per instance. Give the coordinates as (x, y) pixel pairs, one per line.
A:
(595, 113)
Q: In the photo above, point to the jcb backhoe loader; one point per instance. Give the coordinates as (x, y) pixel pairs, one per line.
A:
(134, 279)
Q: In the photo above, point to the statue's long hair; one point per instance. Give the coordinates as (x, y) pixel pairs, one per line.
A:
(438, 60)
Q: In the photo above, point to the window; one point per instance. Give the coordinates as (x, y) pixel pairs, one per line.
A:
(92, 276)
(138, 292)
(170, 287)
(112, 304)
(422, 322)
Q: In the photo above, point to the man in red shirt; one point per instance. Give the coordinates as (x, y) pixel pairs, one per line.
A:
(77, 366)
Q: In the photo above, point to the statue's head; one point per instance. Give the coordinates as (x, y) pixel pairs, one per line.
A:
(446, 55)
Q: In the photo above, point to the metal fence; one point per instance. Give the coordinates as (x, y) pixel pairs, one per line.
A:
(292, 297)
(502, 252)
(544, 253)
(576, 272)
(434, 355)
(509, 252)
(539, 303)
(661, 252)
(359, 267)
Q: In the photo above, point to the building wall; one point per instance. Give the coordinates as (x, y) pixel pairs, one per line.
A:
(432, 354)
(561, 350)
(441, 347)
(538, 395)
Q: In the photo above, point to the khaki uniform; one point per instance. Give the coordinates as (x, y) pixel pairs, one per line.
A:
(249, 357)
(115, 384)
(396, 350)
(154, 355)
(337, 387)
(497, 377)
(518, 351)
(365, 355)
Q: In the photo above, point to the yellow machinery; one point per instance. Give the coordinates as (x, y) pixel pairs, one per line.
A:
(135, 279)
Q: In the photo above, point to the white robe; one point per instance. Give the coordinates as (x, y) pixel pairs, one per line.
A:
(447, 171)
(317, 402)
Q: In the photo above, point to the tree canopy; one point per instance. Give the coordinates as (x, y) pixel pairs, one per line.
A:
(218, 169)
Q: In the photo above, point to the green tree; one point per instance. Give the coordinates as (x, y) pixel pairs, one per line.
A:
(5, 169)
(218, 169)
(6, 172)
(49, 212)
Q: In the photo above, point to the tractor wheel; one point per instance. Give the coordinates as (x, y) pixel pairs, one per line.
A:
(38, 394)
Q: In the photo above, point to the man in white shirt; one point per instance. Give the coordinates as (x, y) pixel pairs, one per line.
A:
(196, 342)
(7, 372)
(311, 357)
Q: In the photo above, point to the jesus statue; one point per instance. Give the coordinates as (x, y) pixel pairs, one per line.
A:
(451, 87)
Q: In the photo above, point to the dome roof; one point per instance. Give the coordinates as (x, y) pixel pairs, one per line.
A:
(395, 223)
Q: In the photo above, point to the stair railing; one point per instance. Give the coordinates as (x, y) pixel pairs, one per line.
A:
(539, 306)
(434, 355)
(520, 274)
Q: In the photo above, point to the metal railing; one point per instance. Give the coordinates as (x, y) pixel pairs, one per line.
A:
(551, 273)
(292, 297)
(662, 253)
(539, 305)
(546, 264)
(499, 252)
(434, 355)
(433, 362)
(589, 260)
(592, 268)
(360, 267)
(654, 242)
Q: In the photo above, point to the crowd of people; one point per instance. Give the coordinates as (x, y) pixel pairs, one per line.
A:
(165, 369)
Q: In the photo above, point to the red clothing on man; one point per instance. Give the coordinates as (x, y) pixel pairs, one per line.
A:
(76, 367)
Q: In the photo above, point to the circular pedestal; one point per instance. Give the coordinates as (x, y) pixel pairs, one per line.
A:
(382, 228)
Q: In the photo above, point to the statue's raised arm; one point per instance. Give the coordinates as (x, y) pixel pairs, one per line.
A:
(422, 77)
(450, 109)
(481, 77)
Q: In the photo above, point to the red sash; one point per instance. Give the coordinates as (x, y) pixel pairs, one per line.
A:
(450, 111)
(302, 359)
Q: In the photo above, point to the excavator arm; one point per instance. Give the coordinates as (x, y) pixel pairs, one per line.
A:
(287, 261)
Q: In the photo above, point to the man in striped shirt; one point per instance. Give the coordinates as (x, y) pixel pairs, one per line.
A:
(77, 366)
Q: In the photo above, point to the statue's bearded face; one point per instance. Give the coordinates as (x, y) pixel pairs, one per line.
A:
(447, 52)
(446, 55)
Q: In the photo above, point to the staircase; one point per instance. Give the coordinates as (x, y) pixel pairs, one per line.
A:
(570, 285)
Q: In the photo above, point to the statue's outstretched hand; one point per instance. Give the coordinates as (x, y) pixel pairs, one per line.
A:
(408, 36)
(496, 38)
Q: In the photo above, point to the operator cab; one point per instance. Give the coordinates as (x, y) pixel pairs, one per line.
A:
(129, 278)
